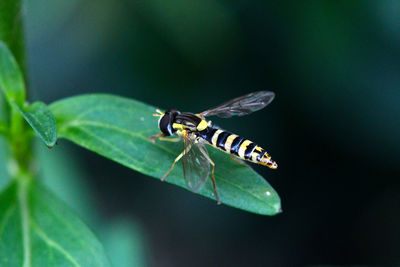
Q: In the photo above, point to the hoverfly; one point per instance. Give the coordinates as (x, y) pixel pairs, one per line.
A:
(196, 131)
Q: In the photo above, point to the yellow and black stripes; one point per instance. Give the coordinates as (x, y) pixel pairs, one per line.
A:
(238, 146)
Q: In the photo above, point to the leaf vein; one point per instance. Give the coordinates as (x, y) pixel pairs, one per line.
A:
(111, 146)
(131, 133)
(53, 244)
(104, 125)
(118, 129)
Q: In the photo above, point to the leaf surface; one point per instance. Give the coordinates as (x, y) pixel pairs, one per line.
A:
(117, 128)
(11, 79)
(37, 229)
(42, 121)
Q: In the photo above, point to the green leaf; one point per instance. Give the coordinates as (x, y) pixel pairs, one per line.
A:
(61, 171)
(42, 121)
(11, 79)
(117, 128)
(36, 229)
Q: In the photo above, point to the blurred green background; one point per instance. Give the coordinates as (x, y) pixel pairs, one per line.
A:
(333, 128)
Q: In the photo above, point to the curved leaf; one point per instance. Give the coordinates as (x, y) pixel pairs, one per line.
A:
(117, 128)
(36, 229)
(11, 80)
(42, 121)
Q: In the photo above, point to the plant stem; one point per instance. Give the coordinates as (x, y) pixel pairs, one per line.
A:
(21, 146)
(11, 29)
(15, 129)
(11, 32)
(3, 129)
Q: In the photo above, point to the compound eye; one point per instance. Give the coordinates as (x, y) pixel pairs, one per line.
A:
(165, 125)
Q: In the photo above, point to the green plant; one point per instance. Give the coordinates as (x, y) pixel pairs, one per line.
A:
(36, 228)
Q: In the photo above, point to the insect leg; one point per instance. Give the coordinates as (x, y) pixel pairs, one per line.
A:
(154, 137)
(186, 150)
(162, 137)
(176, 139)
(205, 154)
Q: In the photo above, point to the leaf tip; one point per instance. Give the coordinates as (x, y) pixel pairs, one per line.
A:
(50, 144)
(276, 208)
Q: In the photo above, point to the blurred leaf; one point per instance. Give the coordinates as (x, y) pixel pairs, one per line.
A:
(117, 128)
(60, 171)
(42, 121)
(3, 128)
(123, 241)
(3, 109)
(11, 79)
(37, 229)
(4, 177)
(12, 28)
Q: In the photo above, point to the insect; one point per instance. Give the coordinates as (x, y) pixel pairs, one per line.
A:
(196, 131)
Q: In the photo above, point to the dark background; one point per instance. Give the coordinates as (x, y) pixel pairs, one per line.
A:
(333, 127)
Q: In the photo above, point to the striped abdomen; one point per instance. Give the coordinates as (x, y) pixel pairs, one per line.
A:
(238, 146)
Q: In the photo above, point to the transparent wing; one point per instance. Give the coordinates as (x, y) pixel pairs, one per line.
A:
(196, 167)
(242, 105)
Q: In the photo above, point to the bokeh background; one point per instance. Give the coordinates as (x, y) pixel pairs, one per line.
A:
(333, 128)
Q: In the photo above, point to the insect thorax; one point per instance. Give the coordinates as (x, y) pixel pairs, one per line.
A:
(176, 122)
(189, 122)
